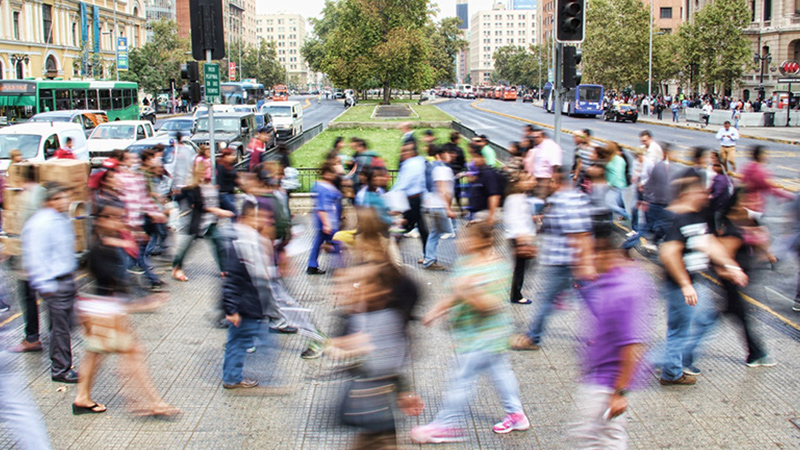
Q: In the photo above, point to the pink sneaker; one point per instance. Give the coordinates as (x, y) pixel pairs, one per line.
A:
(435, 434)
(512, 422)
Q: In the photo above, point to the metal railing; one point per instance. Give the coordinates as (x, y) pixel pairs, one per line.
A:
(292, 144)
(309, 175)
(502, 152)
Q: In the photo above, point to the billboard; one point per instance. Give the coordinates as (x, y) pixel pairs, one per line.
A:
(521, 4)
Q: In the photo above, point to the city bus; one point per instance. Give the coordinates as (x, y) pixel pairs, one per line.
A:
(510, 93)
(22, 99)
(280, 93)
(245, 92)
(583, 100)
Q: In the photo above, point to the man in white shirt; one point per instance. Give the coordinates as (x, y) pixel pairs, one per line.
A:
(727, 137)
(653, 150)
(707, 110)
(542, 161)
(437, 205)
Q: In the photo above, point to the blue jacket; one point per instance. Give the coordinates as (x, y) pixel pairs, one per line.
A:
(243, 292)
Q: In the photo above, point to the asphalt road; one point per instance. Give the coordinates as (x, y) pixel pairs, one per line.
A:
(772, 290)
(783, 157)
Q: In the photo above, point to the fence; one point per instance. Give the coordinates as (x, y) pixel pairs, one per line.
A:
(309, 175)
(292, 144)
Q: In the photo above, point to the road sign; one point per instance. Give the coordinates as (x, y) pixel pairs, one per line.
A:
(211, 75)
(788, 80)
(232, 71)
(122, 54)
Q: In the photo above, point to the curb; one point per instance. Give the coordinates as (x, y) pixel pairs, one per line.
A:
(705, 130)
(170, 116)
(605, 141)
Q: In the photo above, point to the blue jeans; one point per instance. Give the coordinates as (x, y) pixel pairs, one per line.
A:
(686, 327)
(470, 366)
(319, 239)
(438, 224)
(18, 411)
(157, 239)
(141, 261)
(228, 203)
(656, 221)
(556, 279)
(239, 339)
(615, 202)
(674, 115)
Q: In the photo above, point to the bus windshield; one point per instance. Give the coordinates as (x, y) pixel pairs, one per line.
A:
(28, 144)
(590, 94)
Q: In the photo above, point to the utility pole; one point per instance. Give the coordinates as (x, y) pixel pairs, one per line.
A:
(211, 141)
(557, 93)
(650, 65)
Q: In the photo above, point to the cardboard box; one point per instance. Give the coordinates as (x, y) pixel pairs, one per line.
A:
(69, 172)
(79, 194)
(17, 174)
(12, 199)
(12, 222)
(12, 246)
(81, 244)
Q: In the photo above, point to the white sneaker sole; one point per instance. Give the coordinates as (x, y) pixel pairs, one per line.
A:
(522, 427)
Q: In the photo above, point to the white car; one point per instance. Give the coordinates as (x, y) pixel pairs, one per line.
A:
(116, 135)
(39, 141)
(202, 110)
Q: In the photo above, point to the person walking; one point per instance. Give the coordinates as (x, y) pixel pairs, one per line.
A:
(458, 163)
(520, 231)
(565, 253)
(227, 180)
(327, 212)
(727, 137)
(411, 181)
(18, 410)
(438, 205)
(543, 161)
(688, 250)
(481, 326)
(50, 265)
(487, 188)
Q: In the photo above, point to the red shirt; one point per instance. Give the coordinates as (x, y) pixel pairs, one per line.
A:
(64, 153)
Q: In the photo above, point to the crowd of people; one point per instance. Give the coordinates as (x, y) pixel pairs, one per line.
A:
(699, 221)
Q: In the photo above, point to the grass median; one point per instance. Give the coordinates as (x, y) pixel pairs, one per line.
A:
(363, 113)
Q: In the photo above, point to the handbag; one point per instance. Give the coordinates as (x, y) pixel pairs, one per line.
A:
(105, 323)
(367, 403)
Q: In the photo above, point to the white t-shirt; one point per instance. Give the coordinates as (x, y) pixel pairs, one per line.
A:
(518, 216)
(443, 173)
(654, 152)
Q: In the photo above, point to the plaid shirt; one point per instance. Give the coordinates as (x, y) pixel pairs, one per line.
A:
(567, 212)
(133, 192)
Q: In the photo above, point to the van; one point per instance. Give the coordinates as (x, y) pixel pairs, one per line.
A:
(39, 141)
(287, 117)
(89, 119)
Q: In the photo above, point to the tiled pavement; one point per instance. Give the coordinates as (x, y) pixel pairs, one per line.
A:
(732, 407)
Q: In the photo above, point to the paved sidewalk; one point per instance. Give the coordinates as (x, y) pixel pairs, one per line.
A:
(732, 406)
(782, 135)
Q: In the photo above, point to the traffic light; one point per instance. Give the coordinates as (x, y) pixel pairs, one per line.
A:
(191, 92)
(570, 20)
(205, 18)
(572, 73)
(190, 71)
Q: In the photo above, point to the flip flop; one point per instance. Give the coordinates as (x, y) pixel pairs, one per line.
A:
(521, 342)
(523, 301)
(94, 409)
(181, 278)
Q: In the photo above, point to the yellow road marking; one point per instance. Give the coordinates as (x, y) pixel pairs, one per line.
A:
(749, 299)
(308, 103)
(787, 168)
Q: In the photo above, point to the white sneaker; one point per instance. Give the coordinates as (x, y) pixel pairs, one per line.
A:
(650, 247)
(447, 236)
(631, 233)
(413, 233)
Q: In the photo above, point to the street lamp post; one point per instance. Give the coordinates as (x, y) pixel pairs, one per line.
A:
(759, 59)
(650, 63)
(20, 58)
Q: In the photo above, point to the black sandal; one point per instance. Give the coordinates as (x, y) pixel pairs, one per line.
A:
(78, 410)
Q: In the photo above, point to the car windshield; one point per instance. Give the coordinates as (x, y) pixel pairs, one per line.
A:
(626, 108)
(176, 125)
(169, 151)
(49, 118)
(222, 124)
(28, 144)
(279, 111)
(590, 94)
(114, 132)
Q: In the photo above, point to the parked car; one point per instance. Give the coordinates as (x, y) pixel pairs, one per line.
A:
(88, 119)
(169, 143)
(621, 113)
(38, 142)
(182, 125)
(116, 135)
(287, 116)
(527, 98)
(231, 130)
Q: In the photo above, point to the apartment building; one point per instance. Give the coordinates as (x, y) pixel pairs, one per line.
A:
(288, 31)
(156, 10)
(44, 39)
(492, 29)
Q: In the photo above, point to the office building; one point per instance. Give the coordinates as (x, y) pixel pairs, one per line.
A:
(156, 10)
(521, 4)
(45, 40)
(492, 29)
(288, 32)
(462, 12)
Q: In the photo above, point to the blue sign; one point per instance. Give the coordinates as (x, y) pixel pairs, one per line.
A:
(96, 27)
(122, 53)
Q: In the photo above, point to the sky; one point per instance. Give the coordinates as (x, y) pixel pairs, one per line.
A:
(312, 8)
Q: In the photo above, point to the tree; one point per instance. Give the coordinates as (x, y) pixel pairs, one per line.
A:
(157, 61)
(313, 49)
(446, 42)
(615, 52)
(715, 43)
(517, 65)
(666, 59)
(261, 62)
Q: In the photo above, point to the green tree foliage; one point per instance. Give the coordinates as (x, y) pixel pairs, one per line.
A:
(261, 62)
(153, 64)
(520, 66)
(615, 52)
(666, 59)
(313, 49)
(714, 41)
(446, 42)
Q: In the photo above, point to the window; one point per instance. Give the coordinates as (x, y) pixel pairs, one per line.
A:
(47, 23)
(74, 34)
(16, 24)
(78, 99)
(666, 13)
(666, 30)
(45, 100)
(767, 10)
(105, 99)
(62, 100)
(116, 98)
(51, 144)
(127, 99)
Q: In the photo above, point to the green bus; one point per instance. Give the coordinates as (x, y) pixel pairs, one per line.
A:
(21, 99)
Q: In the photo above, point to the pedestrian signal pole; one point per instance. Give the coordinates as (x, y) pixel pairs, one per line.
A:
(557, 93)
(570, 28)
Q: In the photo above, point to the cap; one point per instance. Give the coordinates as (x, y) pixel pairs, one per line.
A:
(53, 188)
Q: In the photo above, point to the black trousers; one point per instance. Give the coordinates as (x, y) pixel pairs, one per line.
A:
(738, 308)
(61, 305)
(30, 311)
(518, 279)
(414, 219)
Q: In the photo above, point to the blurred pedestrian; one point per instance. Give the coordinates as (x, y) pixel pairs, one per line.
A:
(486, 190)
(327, 213)
(50, 266)
(411, 181)
(543, 161)
(481, 326)
(227, 180)
(66, 151)
(18, 410)
(457, 162)
(520, 231)
(438, 205)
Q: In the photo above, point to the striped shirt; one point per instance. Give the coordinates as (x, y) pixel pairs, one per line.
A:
(567, 212)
